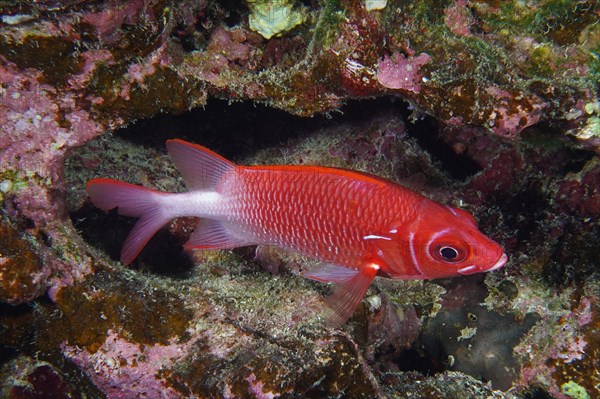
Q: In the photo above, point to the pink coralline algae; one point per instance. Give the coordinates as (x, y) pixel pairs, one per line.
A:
(458, 18)
(227, 49)
(566, 347)
(124, 370)
(127, 12)
(257, 389)
(39, 125)
(234, 45)
(400, 72)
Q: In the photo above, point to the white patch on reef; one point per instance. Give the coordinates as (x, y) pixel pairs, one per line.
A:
(16, 19)
(371, 5)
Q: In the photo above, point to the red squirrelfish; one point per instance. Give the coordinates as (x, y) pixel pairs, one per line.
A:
(357, 225)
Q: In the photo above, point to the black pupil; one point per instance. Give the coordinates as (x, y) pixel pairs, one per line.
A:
(448, 253)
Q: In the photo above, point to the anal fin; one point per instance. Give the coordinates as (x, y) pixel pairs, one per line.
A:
(212, 234)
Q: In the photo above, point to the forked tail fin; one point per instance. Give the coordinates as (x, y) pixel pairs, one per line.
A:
(131, 200)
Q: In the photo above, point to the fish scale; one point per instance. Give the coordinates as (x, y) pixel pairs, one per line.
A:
(263, 214)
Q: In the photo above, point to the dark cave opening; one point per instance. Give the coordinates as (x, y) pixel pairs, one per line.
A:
(240, 128)
(458, 166)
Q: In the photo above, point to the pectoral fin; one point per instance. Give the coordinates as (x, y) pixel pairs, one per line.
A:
(350, 287)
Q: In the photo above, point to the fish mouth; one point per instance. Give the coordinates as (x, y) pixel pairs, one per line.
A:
(472, 269)
(501, 262)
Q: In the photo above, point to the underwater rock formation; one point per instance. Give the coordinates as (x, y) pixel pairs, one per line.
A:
(505, 122)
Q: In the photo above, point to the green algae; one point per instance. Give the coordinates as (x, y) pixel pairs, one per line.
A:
(543, 61)
(574, 390)
(327, 27)
(577, 377)
(13, 181)
(594, 64)
(559, 20)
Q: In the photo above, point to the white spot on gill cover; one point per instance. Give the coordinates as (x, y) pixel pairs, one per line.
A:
(376, 237)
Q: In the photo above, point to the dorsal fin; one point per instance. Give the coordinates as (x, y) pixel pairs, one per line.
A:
(415, 182)
(200, 167)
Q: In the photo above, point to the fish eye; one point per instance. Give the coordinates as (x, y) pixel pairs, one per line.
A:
(448, 253)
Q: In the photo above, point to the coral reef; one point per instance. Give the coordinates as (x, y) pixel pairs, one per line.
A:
(502, 119)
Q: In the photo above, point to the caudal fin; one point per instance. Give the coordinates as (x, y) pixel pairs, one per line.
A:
(134, 201)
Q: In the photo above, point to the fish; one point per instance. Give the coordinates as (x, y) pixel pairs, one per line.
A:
(355, 226)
